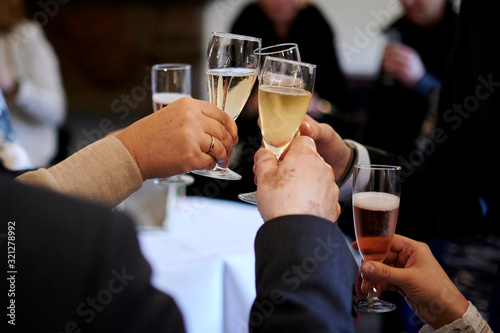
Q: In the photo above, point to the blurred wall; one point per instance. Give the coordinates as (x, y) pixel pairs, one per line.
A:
(106, 48)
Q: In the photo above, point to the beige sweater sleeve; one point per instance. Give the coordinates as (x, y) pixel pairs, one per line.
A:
(103, 172)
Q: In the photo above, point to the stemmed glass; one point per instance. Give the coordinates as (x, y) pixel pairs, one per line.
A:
(170, 82)
(375, 199)
(285, 51)
(285, 90)
(232, 68)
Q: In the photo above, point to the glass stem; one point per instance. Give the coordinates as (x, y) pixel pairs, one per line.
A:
(373, 291)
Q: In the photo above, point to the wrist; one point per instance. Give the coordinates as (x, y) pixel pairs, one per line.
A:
(452, 312)
(348, 163)
(128, 143)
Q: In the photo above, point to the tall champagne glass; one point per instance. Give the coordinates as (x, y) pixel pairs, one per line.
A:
(170, 82)
(375, 200)
(285, 90)
(232, 68)
(288, 51)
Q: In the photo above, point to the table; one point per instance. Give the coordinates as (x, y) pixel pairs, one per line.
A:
(206, 262)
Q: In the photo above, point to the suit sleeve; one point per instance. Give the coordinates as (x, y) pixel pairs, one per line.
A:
(80, 269)
(305, 277)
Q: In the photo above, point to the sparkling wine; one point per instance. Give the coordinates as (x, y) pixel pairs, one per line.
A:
(270, 78)
(229, 88)
(375, 216)
(281, 111)
(161, 100)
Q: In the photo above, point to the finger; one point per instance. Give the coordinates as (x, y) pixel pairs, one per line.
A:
(264, 161)
(301, 143)
(221, 135)
(338, 211)
(379, 271)
(219, 152)
(401, 250)
(309, 127)
(367, 287)
(223, 118)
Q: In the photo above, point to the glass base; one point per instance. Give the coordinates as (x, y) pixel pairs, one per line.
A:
(219, 173)
(374, 304)
(177, 180)
(249, 197)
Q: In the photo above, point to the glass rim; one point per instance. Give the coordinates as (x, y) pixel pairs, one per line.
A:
(377, 167)
(171, 66)
(299, 63)
(236, 36)
(287, 47)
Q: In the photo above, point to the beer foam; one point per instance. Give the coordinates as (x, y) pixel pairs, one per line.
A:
(379, 201)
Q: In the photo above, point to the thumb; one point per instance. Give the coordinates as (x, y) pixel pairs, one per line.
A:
(264, 161)
(382, 272)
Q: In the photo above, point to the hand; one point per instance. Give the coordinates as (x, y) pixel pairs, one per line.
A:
(328, 143)
(403, 63)
(177, 138)
(411, 269)
(302, 183)
(9, 88)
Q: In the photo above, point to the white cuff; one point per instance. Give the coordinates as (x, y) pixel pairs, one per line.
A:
(470, 322)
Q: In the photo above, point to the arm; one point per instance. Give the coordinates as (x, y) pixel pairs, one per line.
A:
(305, 277)
(168, 142)
(88, 272)
(103, 172)
(305, 273)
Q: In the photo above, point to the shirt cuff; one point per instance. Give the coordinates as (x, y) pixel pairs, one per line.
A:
(471, 321)
(345, 193)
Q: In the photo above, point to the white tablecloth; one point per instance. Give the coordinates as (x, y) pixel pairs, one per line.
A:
(206, 262)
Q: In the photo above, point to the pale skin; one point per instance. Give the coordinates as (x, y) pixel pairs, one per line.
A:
(296, 185)
(328, 144)
(176, 139)
(411, 269)
(404, 63)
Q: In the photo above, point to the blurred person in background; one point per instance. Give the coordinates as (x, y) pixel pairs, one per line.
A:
(13, 156)
(402, 110)
(403, 104)
(31, 83)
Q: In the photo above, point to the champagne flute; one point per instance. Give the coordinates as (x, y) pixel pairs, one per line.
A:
(285, 90)
(170, 82)
(232, 68)
(285, 51)
(375, 199)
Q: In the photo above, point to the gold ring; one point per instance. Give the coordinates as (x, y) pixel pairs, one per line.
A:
(211, 145)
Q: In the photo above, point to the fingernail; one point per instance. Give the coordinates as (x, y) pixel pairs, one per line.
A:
(309, 128)
(367, 268)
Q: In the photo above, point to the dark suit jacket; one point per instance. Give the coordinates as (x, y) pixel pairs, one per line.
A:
(78, 266)
(446, 190)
